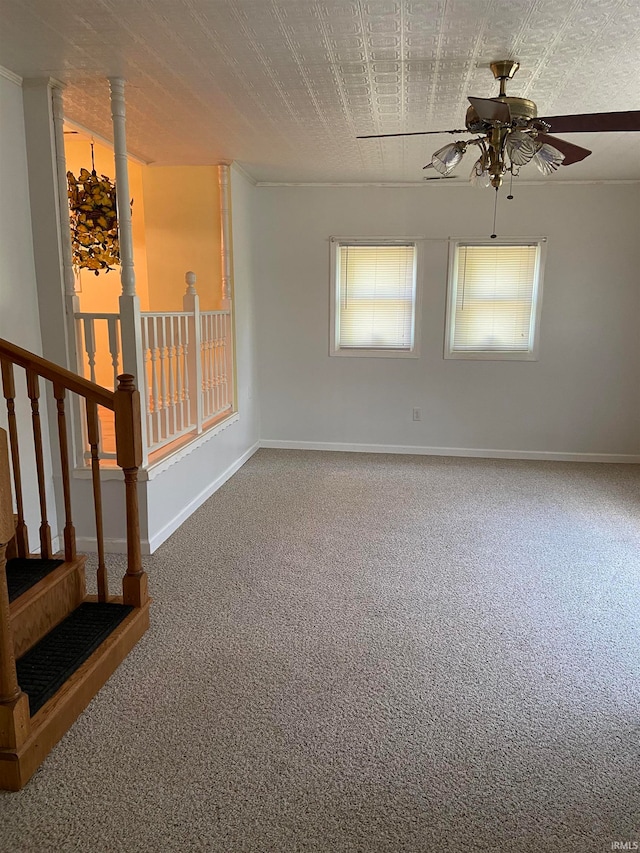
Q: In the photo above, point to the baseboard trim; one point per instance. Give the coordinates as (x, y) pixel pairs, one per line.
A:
(483, 453)
(88, 545)
(148, 546)
(158, 538)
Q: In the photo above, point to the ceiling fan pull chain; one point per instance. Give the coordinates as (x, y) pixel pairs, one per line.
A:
(495, 212)
(510, 196)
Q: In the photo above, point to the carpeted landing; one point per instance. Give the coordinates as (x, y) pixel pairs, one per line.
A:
(370, 653)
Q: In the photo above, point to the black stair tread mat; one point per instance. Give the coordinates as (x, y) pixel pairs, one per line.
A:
(25, 572)
(44, 668)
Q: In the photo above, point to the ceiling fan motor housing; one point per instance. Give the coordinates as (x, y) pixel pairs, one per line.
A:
(522, 111)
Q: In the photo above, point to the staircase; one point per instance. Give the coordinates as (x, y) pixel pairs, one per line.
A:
(58, 645)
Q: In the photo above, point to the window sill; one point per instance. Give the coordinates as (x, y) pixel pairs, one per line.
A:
(355, 352)
(491, 356)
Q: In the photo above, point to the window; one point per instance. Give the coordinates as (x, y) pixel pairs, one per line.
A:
(373, 298)
(494, 300)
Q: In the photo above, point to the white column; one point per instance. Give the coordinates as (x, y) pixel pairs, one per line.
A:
(118, 117)
(130, 326)
(47, 255)
(225, 233)
(224, 182)
(71, 300)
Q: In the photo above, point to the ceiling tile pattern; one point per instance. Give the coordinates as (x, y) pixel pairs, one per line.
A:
(285, 86)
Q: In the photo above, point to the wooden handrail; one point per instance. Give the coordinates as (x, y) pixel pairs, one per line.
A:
(125, 403)
(57, 374)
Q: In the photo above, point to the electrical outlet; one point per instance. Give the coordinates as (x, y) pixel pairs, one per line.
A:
(417, 414)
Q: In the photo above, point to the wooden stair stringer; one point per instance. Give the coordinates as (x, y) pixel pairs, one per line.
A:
(47, 603)
(57, 715)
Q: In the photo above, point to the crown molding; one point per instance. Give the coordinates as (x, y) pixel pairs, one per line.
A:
(9, 75)
(409, 184)
(34, 82)
(235, 165)
(104, 140)
(466, 184)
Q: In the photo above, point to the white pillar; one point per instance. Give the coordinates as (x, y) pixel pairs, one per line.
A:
(225, 233)
(224, 182)
(118, 117)
(71, 300)
(48, 238)
(130, 325)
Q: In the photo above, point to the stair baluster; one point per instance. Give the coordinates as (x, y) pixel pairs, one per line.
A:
(14, 705)
(33, 391)
(59, 393)
(9, 390)
(93, 432)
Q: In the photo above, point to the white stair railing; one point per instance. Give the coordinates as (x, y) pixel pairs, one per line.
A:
(215, 339)
(166, 344)
(188, 367)
(90, 324)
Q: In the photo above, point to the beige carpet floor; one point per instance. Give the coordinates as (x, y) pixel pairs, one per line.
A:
(370, 653)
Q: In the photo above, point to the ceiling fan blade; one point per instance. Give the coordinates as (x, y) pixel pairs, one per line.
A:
(594, 122)
(572, 153)
(414, 133)
(491, 109)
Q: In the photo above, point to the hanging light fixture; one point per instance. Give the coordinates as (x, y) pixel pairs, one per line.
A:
(548, 159)
(510, 135)
(503, 152)
(480, 176)
(520, 147)
(445, 159)
(93, 220)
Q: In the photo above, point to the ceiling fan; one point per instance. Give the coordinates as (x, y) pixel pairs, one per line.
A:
(508, 134)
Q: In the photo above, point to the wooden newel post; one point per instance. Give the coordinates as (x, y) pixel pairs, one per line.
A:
(129, 458)
(14, 705)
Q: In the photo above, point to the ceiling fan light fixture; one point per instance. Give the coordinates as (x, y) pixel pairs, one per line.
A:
(520, 147)
(480, 176)
(445, 159)
(548, 159)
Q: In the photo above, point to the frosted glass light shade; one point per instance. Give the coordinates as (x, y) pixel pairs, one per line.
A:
(520, 147)
(445, 159)
(548, 159)
(480, 176)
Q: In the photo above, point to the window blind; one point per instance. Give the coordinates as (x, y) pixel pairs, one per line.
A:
(376, 296)
(495, 291)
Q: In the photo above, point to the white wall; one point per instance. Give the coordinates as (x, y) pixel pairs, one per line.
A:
(19, 319)
(580, 397)
(181, 488)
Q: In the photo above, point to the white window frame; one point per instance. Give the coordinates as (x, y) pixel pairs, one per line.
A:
(371, 352)
(531, 354)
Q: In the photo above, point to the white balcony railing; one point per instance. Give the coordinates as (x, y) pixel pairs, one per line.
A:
(188, 366)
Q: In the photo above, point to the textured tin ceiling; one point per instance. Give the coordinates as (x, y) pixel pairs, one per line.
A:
(284, 86)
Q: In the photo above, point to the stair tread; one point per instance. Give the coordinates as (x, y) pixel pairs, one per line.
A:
(44, 668)
(25, 572)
